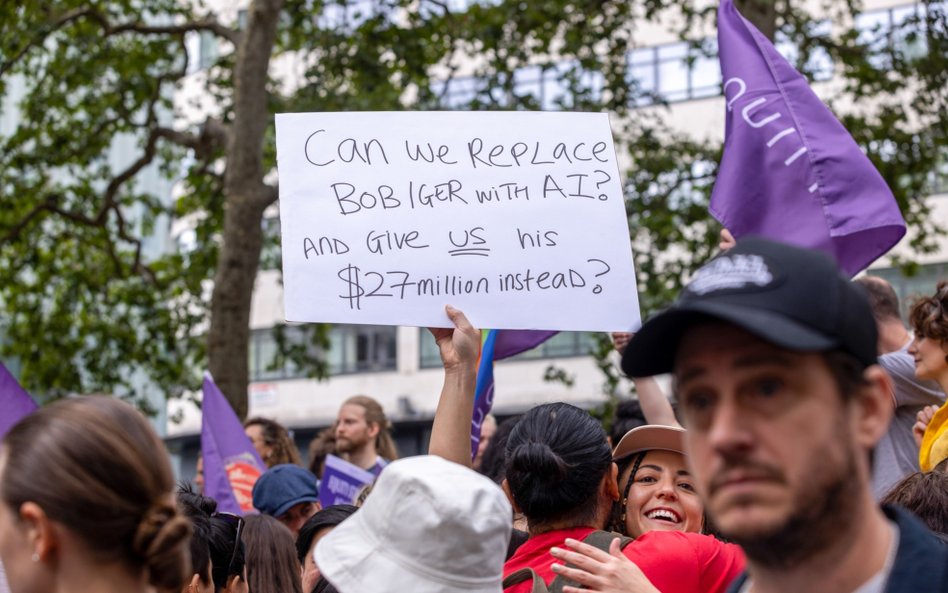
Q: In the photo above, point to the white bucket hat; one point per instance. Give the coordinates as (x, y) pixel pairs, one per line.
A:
(429, 526)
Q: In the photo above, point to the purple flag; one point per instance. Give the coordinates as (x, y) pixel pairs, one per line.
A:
(15, 402)
(342, 482)
(231, 464)
(497, 345)
(790, 171)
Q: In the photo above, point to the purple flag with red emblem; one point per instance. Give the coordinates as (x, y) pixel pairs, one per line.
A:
(15, 402)
(790, 171)
(231, 464)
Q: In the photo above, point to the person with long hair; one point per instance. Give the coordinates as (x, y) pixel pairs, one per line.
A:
(272, 566)
(363, 434)
(272, 441)
(87, 502)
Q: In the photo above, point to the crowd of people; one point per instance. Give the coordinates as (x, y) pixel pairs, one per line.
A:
(806, 451)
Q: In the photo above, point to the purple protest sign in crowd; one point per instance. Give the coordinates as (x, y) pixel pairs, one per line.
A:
(808, 450)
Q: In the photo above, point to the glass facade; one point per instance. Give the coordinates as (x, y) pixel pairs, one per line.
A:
(352, 349)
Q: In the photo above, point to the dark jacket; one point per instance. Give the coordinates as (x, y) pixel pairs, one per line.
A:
(921, 562)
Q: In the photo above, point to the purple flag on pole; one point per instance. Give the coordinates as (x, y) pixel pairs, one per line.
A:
(231, 464)
(790, 171)
(342, 482)
(15, 402)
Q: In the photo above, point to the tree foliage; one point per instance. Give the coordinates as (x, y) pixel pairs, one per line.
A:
(89, 303)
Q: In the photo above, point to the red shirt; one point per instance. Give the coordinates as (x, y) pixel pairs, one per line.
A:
(675, 562)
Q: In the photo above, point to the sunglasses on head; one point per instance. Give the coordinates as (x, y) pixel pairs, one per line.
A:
(238, 522)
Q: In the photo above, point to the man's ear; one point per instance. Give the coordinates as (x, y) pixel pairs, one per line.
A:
(374, 429)
(873, 407)
(40, 530)
(506, 488)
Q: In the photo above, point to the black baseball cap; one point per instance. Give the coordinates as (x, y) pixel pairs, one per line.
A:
(793, 297)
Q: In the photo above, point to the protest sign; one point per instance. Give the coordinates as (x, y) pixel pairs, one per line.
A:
(342, 482)
(517, 218)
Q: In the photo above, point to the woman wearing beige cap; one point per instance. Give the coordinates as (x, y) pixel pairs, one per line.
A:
(655, 485)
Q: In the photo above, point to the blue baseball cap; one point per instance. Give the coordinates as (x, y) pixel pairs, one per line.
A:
(283, 486)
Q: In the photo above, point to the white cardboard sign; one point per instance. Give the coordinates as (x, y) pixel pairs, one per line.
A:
(516, 218)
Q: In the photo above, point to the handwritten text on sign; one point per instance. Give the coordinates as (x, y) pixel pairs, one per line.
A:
(516, 218)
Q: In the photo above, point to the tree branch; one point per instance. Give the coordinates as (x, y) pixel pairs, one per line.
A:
(212, 138)
(207, 23)
(63, 20)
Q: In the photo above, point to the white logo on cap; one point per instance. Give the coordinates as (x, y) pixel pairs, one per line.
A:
(731, 271)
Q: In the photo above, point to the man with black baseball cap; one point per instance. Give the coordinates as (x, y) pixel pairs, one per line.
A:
(773, 353)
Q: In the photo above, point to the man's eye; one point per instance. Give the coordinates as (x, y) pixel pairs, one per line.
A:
(697, 401)
(769, 387)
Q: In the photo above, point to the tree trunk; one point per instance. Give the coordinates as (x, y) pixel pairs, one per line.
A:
(246, 198)
(762, 13)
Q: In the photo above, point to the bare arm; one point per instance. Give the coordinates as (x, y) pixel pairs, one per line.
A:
(451, 430)
(599, 571)
(655, 406)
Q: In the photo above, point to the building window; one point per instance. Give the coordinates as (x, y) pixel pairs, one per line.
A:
(681, 71)
(562, 345)
(352, 349)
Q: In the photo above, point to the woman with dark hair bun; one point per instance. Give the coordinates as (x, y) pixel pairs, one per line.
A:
(87, 503)
(557, 457)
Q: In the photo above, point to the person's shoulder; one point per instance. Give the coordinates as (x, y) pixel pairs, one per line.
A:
(909, 389)
(702, 544)
(921, 562)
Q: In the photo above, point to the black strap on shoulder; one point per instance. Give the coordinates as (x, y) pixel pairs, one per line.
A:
(522, 575)
(598, 539)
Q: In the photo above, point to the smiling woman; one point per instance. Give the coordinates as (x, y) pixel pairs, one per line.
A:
(658, 492)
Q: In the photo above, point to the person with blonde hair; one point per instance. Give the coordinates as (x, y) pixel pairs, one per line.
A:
(363, 436)
(87, 503)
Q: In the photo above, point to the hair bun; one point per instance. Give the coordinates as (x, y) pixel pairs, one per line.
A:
(540, 460)
(161, 542)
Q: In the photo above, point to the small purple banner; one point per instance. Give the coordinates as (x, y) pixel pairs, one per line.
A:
(231, 464)
(497, 345)
(790, 171)
(342, 482)
(15, 402)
